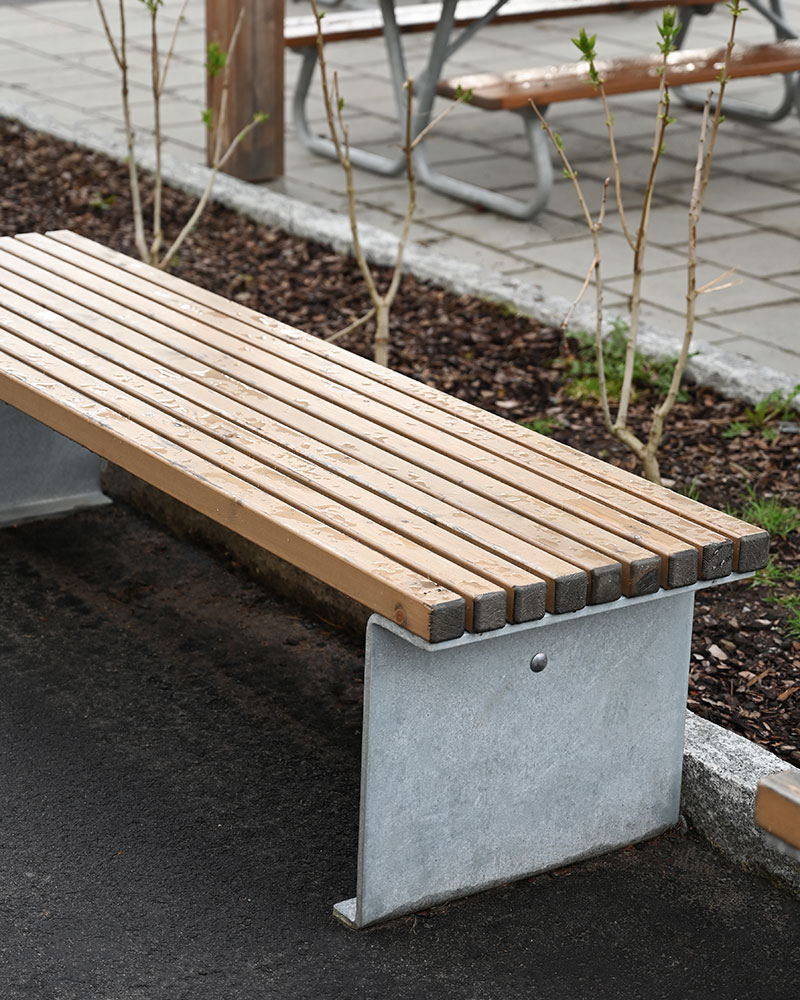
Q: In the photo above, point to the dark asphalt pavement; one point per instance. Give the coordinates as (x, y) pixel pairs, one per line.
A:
(179, 766)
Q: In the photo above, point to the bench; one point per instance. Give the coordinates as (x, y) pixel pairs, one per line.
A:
(486, 552)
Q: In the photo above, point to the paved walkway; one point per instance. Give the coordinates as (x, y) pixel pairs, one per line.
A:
(54, 58)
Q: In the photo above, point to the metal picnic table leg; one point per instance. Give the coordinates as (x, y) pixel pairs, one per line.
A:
(442, 47)
(495, 201)
(388, 166)
(741, 110)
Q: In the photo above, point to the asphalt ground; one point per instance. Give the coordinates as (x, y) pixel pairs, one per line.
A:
(179, 786)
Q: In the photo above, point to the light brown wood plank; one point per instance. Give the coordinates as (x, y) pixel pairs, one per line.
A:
(611, 545)
(485, 602)
(412, 399)
(399, 433)
(545, 85)
(778, 806)
(428, 610)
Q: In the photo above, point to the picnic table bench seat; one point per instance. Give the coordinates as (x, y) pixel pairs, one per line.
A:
(471, 537)
(515, 89)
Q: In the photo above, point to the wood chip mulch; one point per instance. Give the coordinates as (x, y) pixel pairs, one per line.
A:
(745, 669)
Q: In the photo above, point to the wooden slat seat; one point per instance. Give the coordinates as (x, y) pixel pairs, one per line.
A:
(514, 90)
(422, 507)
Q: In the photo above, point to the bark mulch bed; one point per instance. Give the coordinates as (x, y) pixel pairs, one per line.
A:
(745, 671)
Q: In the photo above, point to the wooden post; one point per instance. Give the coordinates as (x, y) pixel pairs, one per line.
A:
(256, 84)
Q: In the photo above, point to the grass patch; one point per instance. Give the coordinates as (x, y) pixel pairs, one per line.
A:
(764, 416)
(777, 518)
(542, 425)
(580, 375)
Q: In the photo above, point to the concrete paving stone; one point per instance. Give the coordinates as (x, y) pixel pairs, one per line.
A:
(486, 227)
(782, 166)
(576, 255)
(764, 254)
(430, 204)
(473, 253)
(668, 287)
(670, 322)
(191, 134)
(392, 223)
(64, 42)
(187, 151)
(764, 354)
(785, 219)
(494, 172)
(67, 114)
(557, 283)
(669, 227)
(775, 325)
(728, 189)
(564, 200)
(634, 169)
(173, 113)
(308, 193)
(19, 63)
(329, 174)
(61, 82)
(733, 139)
(791, 281)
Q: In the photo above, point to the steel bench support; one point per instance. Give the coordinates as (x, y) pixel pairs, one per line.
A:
(478, 768)
(43, 473)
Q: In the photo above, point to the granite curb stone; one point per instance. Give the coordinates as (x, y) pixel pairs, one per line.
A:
(721, 769)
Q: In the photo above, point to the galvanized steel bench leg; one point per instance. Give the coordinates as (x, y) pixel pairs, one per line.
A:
(478, 768)
(42, 473)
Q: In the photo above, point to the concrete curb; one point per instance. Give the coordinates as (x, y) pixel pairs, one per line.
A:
(721, 769)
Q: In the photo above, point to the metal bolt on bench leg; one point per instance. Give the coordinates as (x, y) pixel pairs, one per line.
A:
(538, 662)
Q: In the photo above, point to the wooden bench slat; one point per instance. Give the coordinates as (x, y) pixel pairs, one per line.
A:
(301, 31)
(566, 588)
(485, 602)
(676, 571)
(424, 608)
(515, 89)
(750, 541)
(717, 553)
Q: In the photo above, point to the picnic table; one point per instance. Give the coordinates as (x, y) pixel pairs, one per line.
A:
(453, 23)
